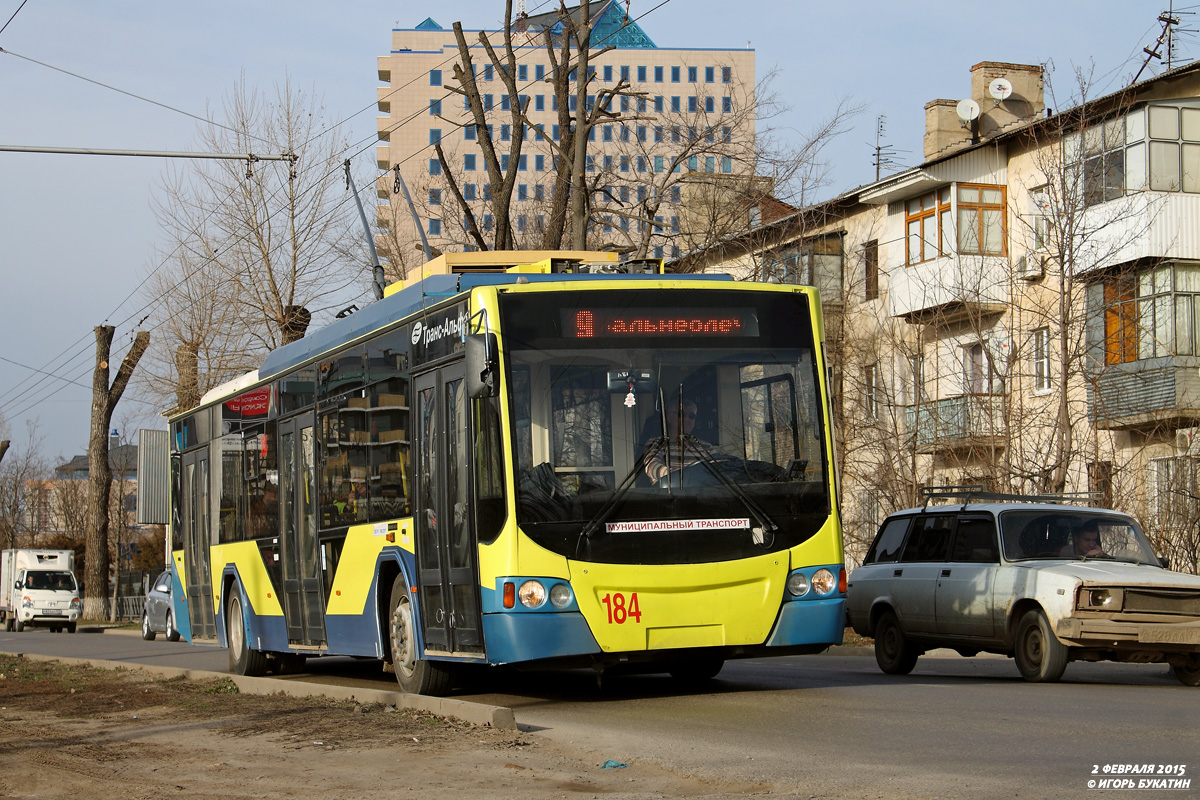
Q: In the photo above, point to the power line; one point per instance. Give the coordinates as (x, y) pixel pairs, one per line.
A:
(121, 91)
(14, 14)
(370, 141)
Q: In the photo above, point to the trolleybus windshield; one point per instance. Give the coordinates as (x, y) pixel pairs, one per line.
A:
(654, 426)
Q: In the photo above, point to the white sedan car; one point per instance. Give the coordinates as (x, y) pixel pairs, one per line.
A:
(1044, 583)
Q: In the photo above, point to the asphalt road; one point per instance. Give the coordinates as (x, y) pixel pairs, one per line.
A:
(834, 724)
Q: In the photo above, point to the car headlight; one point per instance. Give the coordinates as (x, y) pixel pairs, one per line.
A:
(75, 602)
(1101, 599)
(560, 595)
(27, 602)
(824, 581)
(532, 594)
(797, 584)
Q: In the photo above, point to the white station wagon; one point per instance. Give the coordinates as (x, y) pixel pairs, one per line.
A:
(1044, 583)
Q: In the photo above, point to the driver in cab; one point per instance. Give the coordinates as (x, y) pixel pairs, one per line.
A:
(665, 458)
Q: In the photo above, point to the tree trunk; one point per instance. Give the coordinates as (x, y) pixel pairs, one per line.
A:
(104, 402)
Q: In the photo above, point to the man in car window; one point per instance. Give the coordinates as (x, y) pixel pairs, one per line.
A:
(1084, 542)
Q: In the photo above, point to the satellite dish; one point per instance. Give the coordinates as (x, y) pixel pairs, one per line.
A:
(1000, 89)
(967, 110)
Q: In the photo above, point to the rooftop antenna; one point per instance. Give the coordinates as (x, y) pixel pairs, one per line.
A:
(883, 152)
(968, 112)
(1000, 89)
(1169, 20)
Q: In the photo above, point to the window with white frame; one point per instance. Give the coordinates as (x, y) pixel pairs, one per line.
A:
(1174, 491)
(1042, 218)
(979, 373)
(871, 392)
(1041, 360)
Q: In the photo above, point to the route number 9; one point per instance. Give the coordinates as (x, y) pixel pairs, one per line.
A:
(621, 608)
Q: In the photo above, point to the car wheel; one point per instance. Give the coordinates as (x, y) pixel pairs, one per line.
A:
(147, 632)
(172, 632)
(243, 659)
(18, 626)
(8, 625)
(1040, 656)
(71, 627)
(415, 675)
(1189, 675)
(894, 653)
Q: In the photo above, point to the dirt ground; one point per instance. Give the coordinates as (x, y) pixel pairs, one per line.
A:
(78, 732)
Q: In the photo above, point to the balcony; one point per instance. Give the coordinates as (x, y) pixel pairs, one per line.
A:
(1154, 392)
(966, 422)
(950, 289)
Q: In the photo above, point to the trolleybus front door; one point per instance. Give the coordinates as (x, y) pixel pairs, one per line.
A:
(446, 557)
(197, 537)
(303, 600)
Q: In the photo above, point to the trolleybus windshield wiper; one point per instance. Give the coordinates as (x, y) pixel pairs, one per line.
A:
(705, 457)
(610, 505)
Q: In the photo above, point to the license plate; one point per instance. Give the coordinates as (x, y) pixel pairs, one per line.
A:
(51, 612)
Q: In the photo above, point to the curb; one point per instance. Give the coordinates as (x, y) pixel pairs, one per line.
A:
(475, 713)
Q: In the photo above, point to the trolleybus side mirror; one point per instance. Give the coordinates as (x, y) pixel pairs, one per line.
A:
(483, 365)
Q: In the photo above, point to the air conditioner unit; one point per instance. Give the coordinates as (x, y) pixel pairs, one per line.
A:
(1031, 266)
(1187, 440)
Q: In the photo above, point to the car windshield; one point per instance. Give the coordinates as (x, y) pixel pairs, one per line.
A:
(1073, 534)
(51, 581)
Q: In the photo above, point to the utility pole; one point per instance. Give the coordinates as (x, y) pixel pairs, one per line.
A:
(1169, 20)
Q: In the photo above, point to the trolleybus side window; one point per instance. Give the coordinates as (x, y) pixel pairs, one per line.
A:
(389, 451)
(489, 470)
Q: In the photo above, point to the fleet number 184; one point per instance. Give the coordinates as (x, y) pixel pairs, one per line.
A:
(620, 608)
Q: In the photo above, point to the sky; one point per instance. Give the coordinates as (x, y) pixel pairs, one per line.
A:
(78, 235)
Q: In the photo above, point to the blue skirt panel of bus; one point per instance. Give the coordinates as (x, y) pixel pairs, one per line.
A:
(179, 609)
(527, 637)
(810, 622)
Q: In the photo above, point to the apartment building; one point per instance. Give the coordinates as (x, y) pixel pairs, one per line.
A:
(1021, 311)
(683, 123)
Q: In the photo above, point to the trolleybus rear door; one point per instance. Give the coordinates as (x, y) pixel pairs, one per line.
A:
(303, 599)
(197, 538)
(446, 557)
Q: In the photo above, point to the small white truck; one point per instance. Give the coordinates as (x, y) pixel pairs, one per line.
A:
(38, 588)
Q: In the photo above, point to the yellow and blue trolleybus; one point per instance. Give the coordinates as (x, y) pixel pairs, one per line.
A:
(549, 459)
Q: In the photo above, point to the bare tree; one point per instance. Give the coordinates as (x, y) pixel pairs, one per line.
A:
(257, 249)
(104, 403)
(20, 472)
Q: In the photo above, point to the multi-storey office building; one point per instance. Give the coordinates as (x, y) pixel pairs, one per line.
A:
(686, 117)
(1022, 310)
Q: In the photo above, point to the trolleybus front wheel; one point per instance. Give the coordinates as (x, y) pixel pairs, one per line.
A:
(243, 659)
(415, 675)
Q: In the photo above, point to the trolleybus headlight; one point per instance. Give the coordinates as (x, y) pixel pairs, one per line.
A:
(532, 594)
(560, 595)
(824, 581)
(797, 584)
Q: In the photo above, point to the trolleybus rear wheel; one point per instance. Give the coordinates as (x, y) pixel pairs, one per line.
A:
(415, 675)
(243, 659)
